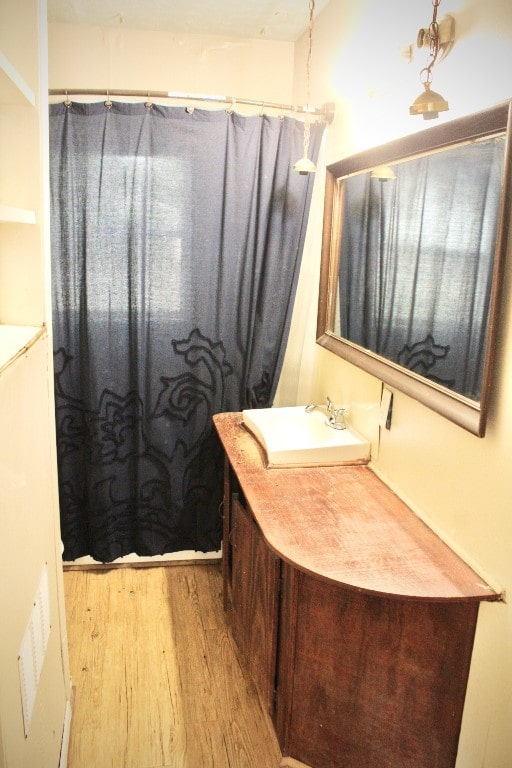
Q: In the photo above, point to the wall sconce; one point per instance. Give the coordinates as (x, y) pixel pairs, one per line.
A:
(305, 165)
(429, 103)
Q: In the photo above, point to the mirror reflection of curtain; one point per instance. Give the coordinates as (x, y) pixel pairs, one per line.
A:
(416, 262)
(176, 246)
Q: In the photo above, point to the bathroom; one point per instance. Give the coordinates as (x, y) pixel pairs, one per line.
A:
(461, 485)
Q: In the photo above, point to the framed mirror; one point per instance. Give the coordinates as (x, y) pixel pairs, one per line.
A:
(414, 241)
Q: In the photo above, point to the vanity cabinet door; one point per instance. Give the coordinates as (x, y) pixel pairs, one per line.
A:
(369, 681)
(255, 586)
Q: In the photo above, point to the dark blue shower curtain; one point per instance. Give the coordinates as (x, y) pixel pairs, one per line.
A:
(176, 244)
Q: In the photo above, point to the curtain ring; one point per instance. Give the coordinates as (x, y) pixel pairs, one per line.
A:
(67, 102)
(149, 103)
(108, 103)
(189, 110)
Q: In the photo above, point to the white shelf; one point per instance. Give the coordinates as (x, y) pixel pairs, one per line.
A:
(15, 340)
(8, 214)
(13, 88)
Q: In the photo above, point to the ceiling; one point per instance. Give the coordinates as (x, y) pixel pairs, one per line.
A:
(267, 19)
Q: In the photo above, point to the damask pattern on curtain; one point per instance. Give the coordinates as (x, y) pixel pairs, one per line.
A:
(176, 245)
(405, 290)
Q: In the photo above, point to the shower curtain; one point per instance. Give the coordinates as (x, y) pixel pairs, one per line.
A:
(176, 245)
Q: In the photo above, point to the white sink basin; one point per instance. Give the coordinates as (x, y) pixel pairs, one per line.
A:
(294, 438)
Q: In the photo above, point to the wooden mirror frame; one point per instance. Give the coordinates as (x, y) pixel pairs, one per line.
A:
(469, 414)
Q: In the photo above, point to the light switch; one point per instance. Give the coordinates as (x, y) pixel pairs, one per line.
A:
(386, 408)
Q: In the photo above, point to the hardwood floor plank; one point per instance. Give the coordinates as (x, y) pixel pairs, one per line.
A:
(157, 675)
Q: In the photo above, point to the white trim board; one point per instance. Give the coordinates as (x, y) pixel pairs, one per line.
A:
(132, 559)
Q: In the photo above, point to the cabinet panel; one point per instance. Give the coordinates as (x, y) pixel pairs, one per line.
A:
(369, 681)
(255, 586)
(29, 548)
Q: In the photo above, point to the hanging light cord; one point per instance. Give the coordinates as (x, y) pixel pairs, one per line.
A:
(308, 76)
(433, 34)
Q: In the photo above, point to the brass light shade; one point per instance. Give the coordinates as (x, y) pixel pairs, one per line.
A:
(304, 166)
(429, 104)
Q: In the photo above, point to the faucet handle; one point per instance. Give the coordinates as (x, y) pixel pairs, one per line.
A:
(337, 418)
(329, 407)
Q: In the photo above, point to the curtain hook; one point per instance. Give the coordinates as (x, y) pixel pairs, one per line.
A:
(67, 102)
(231, 108)
(108, 103)
(189, 110)
(149, 103)
(262, 112)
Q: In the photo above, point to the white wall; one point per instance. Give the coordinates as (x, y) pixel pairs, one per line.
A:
(460, 484)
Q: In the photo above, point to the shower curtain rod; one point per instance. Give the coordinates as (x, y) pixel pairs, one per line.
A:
(325, 112)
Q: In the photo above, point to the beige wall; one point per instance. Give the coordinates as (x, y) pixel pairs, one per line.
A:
(116, 57)
(460, 484)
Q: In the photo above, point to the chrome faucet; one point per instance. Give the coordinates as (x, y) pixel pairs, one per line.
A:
(335, 416)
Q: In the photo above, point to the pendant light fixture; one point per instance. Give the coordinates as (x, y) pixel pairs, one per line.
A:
(383, 173)
(429, 103)
(305, 165)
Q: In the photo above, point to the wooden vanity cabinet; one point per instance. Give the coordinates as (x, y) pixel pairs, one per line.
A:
(254, 601)
(349, 679)
(354, 619)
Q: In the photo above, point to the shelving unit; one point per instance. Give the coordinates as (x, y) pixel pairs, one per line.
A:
(34, 701)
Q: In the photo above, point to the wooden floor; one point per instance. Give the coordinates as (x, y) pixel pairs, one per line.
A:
(157, 678)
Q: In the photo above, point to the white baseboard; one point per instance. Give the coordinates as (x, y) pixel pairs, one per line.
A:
(65, 737)
(132, 559)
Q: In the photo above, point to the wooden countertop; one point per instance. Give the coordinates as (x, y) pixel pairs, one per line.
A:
(345, 525)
